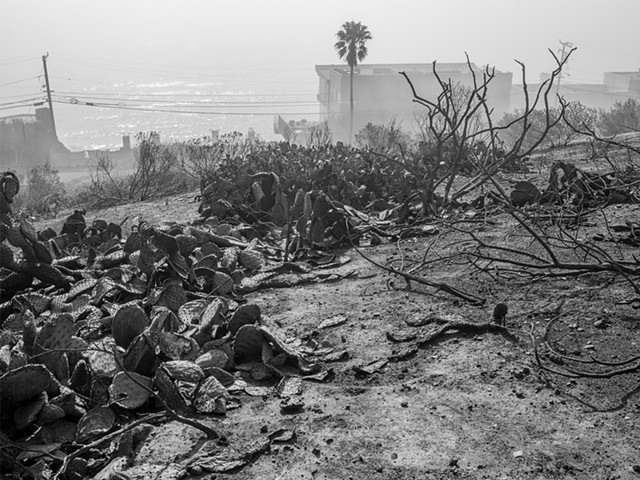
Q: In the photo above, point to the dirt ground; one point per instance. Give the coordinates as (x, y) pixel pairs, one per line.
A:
(471, 407)
(466, 406)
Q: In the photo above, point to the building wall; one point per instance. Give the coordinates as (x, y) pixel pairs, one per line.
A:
(616, 87)
(27, 141)
(381, 94)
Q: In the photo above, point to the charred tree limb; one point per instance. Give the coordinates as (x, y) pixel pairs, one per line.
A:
(440, 286)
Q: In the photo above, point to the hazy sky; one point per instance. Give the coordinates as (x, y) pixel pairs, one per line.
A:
(265, 36)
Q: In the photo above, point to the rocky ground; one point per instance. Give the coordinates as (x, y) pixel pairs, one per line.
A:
(491, 403)
(464, 406)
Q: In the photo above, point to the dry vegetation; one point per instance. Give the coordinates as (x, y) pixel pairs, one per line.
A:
(328, 311)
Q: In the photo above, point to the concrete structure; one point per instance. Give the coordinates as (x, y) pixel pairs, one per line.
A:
(382, 94)
(30, 140)
(26, 140)
(298, 132)
(615, 87)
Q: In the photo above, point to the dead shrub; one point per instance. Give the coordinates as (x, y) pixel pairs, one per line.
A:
(158, 172)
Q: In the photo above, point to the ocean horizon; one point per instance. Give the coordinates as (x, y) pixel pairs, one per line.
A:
(92, 116)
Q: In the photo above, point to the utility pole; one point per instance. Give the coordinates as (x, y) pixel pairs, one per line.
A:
(46, 79)
(563, 56)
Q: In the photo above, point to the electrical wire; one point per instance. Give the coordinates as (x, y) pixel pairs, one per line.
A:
(161, 94)
(194, 112)
(26, 100)
(36, 104)
(195, 104)
(11, 61)
(22, 95)
(142, 108)
(17, 81)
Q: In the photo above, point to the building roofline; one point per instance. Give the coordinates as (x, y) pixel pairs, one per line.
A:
(19, 116)
(440, 67)
(635, 72)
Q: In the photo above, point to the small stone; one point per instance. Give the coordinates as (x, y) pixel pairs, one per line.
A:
(292, 404)
(264, 429)
(453, 462)
(600, 324)
(518, 454)
(196, 470)
(404, 404)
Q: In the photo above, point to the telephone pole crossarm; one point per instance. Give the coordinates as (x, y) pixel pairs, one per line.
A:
(563, 57)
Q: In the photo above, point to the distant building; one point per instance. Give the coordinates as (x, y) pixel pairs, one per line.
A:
(299, 132)
(26, 140)
(615, 87)
(30, 140)
(381, 94)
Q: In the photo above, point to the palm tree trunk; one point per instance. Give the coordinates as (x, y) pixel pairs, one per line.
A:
(351, 106)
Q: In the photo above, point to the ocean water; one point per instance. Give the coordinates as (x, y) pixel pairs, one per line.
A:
(95, 115)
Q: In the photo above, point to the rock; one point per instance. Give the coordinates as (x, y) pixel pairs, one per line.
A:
(332, 321)
(213, 358)
(371, 367)
(524, 193)
(292, 404)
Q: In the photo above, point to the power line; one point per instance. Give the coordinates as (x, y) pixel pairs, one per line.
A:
(36, 104)
(11, 61)
(17, 81)
(160, 94)
(184, 103)
(142, 108)
(193, 112)
(26, 100)
(23, 95)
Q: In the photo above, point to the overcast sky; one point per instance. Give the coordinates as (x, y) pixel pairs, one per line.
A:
(293, 35)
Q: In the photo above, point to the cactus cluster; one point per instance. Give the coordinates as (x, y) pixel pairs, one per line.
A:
(95, 327)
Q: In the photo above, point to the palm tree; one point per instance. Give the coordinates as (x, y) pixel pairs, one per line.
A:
(352, 47)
